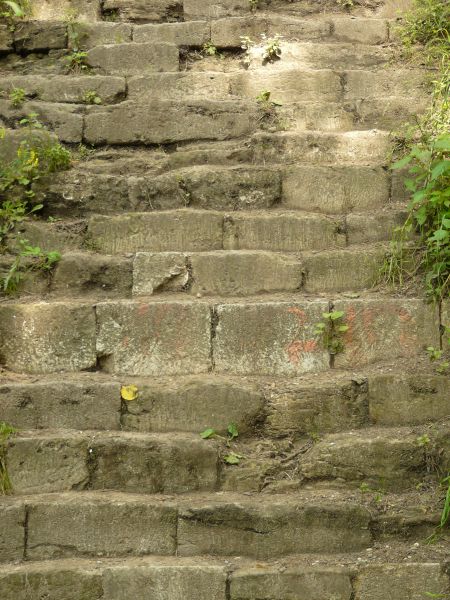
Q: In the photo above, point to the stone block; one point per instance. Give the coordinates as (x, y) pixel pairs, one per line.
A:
(384, 83)
(12, 531)
(383, 460)
(270, 530)
(194, 405)
(64, 404)
(168, 122)
(62, 119)
(145, 11)
(62, 89)
(316, 406)
(204, 9)
(45, 338)
(52, 582)
(133, 59)
(82, 274)
(6, 39)
(49, 10)
(335, 189)
(342, 270)
(159, 272)
(158, 464)
(281, 232)
(179, 86)
(295, 583)
(288, 85)
(242, 273)
(291, 147)
(47, 463)
(194, 231)
(170, 338)
(399, 581)
(403, 326)
(190, 33)
(89, 35)
(377, 227)
(360, 30)
(401, 399)
(177, 582)
(274, 338)
(63, 526)
(40, 35)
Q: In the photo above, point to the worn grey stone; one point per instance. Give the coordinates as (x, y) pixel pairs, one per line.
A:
(62, 526)
(40, 35)
(89, 35)
(56, 404)
(44, 338)
(274, 338)
(192, 33)
(12, 531)
(141, 338)
(133, 59)
(162, 271)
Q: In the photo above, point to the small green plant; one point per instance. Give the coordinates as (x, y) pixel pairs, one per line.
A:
(232, 433)
(272, 48)
(38, 260)
(11, 10)
(6, 431)
(247, 44)
(264, 99)
(232, 458)
(364, 488)
(331, 331)
(91, 97)
(425, 30)
(31, 121)
(423, 440)
(445, 514)
(17, 97)
(208, 49)
(77, 62)
(345, 3)
(254, 4)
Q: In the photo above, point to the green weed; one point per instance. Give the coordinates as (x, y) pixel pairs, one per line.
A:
(17, 97)
(6, 431)
(331, 331)
(17, 9)
(76, 62)
(272, 48)
(208, 49)
(91, 97)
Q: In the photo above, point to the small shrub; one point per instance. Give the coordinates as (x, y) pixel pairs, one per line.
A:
(272, 48)
(6, 431)
(91, 97)
(208, 49)
(331, 331)
(76, 62)
(17, 97)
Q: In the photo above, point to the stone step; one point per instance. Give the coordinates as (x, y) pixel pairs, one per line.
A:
(174, 337)
(62, 525)
(133, 59)
(58, 461)
(219, 273)
(340, 578)
(332, 402)
(258, 526)
(93, 188)
(383, 459)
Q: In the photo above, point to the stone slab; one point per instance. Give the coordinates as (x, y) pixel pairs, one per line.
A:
(63, 526)
(61, 404)
(274, 338)
(133, 59)
(45, 338)
(159, 272)
(157, 232)
(191, 33)
(194, 405)
(384, 328)
(170, 338)
(12, 531)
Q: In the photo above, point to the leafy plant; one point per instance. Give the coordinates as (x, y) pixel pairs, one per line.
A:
(76, 61)
(41, 261)
(272, 48)
(346, 3)
(247, 44)
(10, 9)
(232, 458)
(91, 97)
(425, 29)
(254, 4)
(31, 121)
(17, 97)
(232, 433)
(331, 331)
(6, 431)
(423, 440)
(209, 49)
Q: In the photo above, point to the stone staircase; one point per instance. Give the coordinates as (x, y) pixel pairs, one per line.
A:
(203, 235)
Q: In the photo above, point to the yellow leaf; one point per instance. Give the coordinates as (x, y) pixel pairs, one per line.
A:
(129, 392)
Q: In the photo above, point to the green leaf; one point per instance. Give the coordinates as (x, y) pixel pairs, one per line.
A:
(208, 433)
(232, 458)
(402, 163)
(337, 314)
(440, 168)
(232, 431)
(17, 10)
(343, 328)
(443, 143)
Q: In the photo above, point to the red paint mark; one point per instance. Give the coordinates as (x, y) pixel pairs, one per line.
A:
(300, 314)
(349, 320)
(404, 315)
(368, 317)
(298, 347)
(143, 309)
